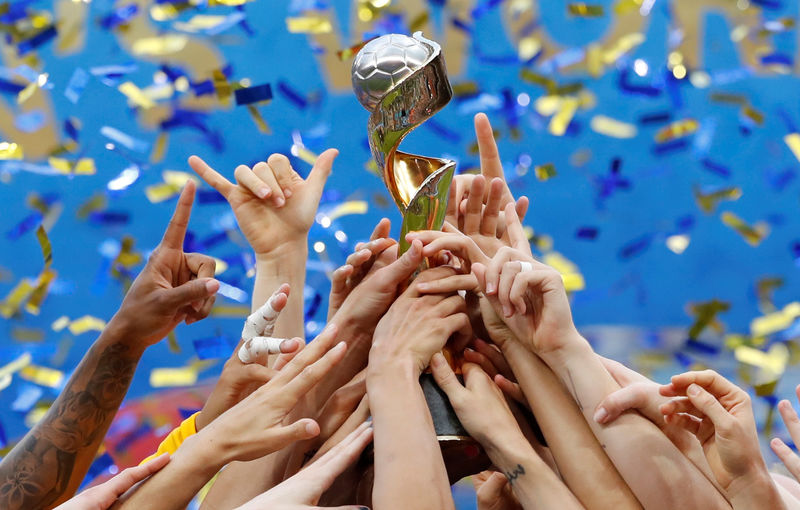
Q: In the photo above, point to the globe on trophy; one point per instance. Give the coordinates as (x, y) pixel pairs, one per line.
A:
(403, 82)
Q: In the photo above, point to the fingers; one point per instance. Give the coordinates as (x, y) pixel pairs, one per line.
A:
(446, 378)
(491, 166)
(516, 234)
(511, 389)
(300, 430)
(790, 419)
(381, 230)
(245, 177)
(787, 456)
(194, 290)
(320, 172)
(202, 266)
(492, 210)
(456, 242)
(401, 269)
(211, 176)
(706, 403)
(258, 346)
(284, 173)
(448, 284)
(491, 491)
(262, 321)
(313, 373)
(337, 459)
(708, 379)
(270, 187)
(522, 207)
(472, 217)
(176, 229)
(494, 355)
(635, 396)
(133, 475)
(507, 276)
(479, 359)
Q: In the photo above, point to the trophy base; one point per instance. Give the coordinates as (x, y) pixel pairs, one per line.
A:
(463, 456)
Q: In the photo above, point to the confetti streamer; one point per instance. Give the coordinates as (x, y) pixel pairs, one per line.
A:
(612, 127)
(43, 376)
(308, 25)
(677, 129)
(776, 321)
(573, 279)
(545, 172)
(583, 10)
(705, 316)
(753, 235)
(709, 201)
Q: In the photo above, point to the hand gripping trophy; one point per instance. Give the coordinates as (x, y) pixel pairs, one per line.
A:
(402, 81)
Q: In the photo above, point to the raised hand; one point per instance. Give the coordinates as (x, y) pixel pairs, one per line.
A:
(303, 490)
(368, 258)
(103, 496)
(274, 206)
(255, 426)
(257, 340)
(720, 415)
(173, 286)
(781, 449)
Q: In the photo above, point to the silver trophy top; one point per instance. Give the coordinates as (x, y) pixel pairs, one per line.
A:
(386, 61)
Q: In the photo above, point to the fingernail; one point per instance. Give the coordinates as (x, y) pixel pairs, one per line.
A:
(413, 250)
(279, 202)
(262, 193)
(489, 287)
(287, 193)
(340, 346)
(506, 311)
(288, 344)
(600, 415)
(438, 360)
(423, 286)
(693, 390)
(311, 428)
(212, 286)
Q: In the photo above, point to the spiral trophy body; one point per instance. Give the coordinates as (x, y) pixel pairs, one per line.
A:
(403, 82)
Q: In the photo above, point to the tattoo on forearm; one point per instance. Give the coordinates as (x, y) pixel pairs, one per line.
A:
(38, 471)
(515, 473)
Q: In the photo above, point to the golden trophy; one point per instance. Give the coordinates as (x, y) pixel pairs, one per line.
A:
(403, 82)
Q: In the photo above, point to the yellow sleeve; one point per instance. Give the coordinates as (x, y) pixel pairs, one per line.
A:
(176, 437)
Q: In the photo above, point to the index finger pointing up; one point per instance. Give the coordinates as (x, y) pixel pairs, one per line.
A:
(176, 230)
(211, 176)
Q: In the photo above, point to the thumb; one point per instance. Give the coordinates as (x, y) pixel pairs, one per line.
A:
(321, 170)
(194, 290)
(445, 377)
(297, 431)
(710, 406)
(492, 487)
(634, 396)
(402, 268)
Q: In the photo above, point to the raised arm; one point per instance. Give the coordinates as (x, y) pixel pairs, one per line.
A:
(47, 466)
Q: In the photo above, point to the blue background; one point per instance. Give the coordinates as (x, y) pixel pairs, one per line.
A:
(648, 291)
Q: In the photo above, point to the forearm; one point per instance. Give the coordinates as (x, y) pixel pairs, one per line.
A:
(755, 492)
(407, 454)
(656, 471)
(48, 465)
(534, 484)
(285, 264)
(581, 460)
(189, 469)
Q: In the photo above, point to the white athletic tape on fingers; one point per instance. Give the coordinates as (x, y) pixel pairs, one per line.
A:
(262, 321)
(525, 266)
(255, 347)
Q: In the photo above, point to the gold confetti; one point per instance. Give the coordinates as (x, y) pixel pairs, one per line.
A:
(83, 166)
(347, 208)
(159, 46)
(753, 235)
(304, 154)
(753, 114)
(776, 321)
(9, 369)
(10, 150)
(584, 10)
(561, 120)
(573, 279)
(80, 325)
(625, 44)
(43, 376)
(724, 97)
(793, 141)
(21, 334)
(47, 247)
(708, 202)
(96, 202)
(677, 129)
(348, 53)
(770, 365)
(174, 181)
(32, 87)
(705, 315)
(14, 300)
(545, 172)
(612, 127)
(230, 311)
(261, 124)
(764, 288)
(34, 304)
(135, 95)
(182, 376)
(308, 25)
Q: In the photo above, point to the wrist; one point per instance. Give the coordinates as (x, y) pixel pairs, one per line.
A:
(385, 371)
(751, 490)
(202, 454)
(118, 332)
(571, 347)
(285, 251)
(511, 451)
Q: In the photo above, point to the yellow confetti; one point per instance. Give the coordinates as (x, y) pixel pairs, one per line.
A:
(612, 127)
(625, 44)
(21, 334)
(174, 181)
(261, 124)
(626, 6)
(135, 95)
(34, 304)
(677, 129)
(793, 141)
(199, 22)
(561, 120)
(230, 311)
(347, 208)
(771, 364)
(573, 279)
(584, 10)
(36, 414)
(47, 247)
(348, 53)
(304, 154)
(545, 172)
(160, 147)
(308, 25)
(43, 376)
(10, 150)
(708, 202)
(705, 315)
(181, 376)
(159, 46)
(776, 321)
(14, 300)
(753, 235)
(60, 323)
(9, 369)
(83, 166)
(764, 289)
(86, 323)
(32, 87)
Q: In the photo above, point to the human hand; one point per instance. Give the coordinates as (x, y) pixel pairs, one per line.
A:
(103, 496)
(255, 426)
(720, 415)
(303, 490)
(257, 341)
(173, 285)
(418, 325)
(781, 449)
(480, 406)
(493, 492)
(274, 206)
(368, 258)
(241, 378)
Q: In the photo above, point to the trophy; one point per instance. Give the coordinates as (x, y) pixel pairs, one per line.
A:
(402, 81)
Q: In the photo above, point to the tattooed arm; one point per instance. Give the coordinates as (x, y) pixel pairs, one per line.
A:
(48, 465)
